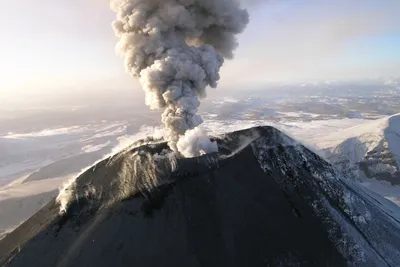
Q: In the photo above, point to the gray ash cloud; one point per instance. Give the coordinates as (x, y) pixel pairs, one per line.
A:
(176, 48)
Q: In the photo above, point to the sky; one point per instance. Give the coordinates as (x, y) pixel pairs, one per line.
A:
(54, 48)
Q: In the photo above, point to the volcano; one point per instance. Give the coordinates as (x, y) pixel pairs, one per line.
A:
(262, 200)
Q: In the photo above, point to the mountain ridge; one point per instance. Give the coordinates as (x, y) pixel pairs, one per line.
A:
(264, 199)
(370, 150)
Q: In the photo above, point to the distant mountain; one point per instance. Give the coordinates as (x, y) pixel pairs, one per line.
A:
(264, 200)
(370, 150)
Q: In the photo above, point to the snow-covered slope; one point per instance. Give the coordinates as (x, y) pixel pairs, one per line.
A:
(370, 150)
(370, 153)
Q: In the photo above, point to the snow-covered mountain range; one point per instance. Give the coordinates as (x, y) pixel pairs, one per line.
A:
(369, 150)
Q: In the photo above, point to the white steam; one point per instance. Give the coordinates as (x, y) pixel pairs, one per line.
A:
(176, 49)
(194, 141)
(66, 194)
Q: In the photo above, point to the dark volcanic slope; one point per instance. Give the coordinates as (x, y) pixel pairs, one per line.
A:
(263, 201)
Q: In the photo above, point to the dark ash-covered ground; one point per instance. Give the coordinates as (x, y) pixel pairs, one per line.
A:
(264, 200)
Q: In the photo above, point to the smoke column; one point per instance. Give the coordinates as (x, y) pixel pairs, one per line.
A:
(176, 49)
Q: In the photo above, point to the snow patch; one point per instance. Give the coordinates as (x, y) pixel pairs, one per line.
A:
(94, 148)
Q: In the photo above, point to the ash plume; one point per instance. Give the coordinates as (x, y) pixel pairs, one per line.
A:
(176, 49)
